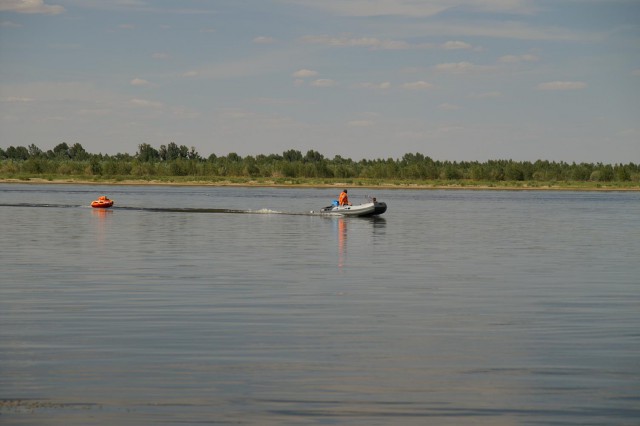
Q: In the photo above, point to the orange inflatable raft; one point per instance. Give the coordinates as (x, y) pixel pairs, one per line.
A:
(102, 203)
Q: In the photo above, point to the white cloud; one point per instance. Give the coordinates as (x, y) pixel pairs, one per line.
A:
(94, 112)
(519, 58)
(499, 29)
(139, 82)
(144, 103)
(375, 86)
(562, 85)
(413, 8)
(368, 42)
(9, 24)
(456, 45)
(17, 99)
(418, 85)
(30, 6)
(461, 68)
(264, 40)
(323, 82)
(251, 65)
(304, 73)
(374, 7)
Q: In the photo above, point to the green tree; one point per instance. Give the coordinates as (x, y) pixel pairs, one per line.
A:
(313, 157)
(34, 151)
(292, 155)
(61, 150)
(17, 153)
(232, 157)
(513, 171)
(77, 152)
(193, 154)
(184, 152)
(147, 153)
(173, 151)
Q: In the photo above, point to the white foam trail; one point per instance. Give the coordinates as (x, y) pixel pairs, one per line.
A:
(265, 211)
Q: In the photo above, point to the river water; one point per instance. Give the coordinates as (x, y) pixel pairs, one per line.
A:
(218, 305)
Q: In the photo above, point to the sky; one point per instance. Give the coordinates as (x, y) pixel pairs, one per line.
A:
(457, 80)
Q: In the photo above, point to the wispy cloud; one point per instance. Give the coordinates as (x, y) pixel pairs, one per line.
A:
(30, 6)
(324, 82)
(462, 68)
(374, 86)
(9, 24)
(366, 42)
(304, 73)
(17, 99)
(417, 85)
(144, 103)
(562, 85)
(518, 58)
(160, 55)
(412, 8)
(456, 45)
(251, 65)
(139, 82)
(499, 29)
(264, 40)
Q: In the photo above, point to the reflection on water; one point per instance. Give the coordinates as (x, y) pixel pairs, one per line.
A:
(102, 217)
(368, 229)
(342, 242)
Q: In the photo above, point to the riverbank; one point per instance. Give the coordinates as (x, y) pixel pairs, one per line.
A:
(326, 183)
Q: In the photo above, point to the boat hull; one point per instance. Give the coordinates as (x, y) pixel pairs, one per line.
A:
(360, 210)
(101, 204)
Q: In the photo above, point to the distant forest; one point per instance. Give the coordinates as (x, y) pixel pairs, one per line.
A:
(179, 160)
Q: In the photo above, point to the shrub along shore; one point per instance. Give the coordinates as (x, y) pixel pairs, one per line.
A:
(329, 183)
(179, 165)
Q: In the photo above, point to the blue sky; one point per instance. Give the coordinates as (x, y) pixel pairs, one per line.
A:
(453, 79)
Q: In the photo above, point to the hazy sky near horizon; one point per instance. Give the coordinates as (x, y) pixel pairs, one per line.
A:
(452, 79)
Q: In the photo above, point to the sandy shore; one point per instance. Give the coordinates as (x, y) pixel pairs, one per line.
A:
(292, 184)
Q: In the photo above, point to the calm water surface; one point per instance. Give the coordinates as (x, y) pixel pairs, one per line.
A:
(454, 307)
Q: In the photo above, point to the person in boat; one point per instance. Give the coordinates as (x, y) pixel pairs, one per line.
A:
(343, 199)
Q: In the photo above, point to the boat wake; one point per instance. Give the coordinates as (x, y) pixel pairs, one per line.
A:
(162, 209)
(59, 206)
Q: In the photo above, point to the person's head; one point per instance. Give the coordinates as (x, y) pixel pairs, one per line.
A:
(345, 191)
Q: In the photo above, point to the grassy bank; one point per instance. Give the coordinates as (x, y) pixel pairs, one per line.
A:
(324, 182)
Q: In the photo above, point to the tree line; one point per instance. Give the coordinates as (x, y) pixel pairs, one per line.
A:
(178, 160)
